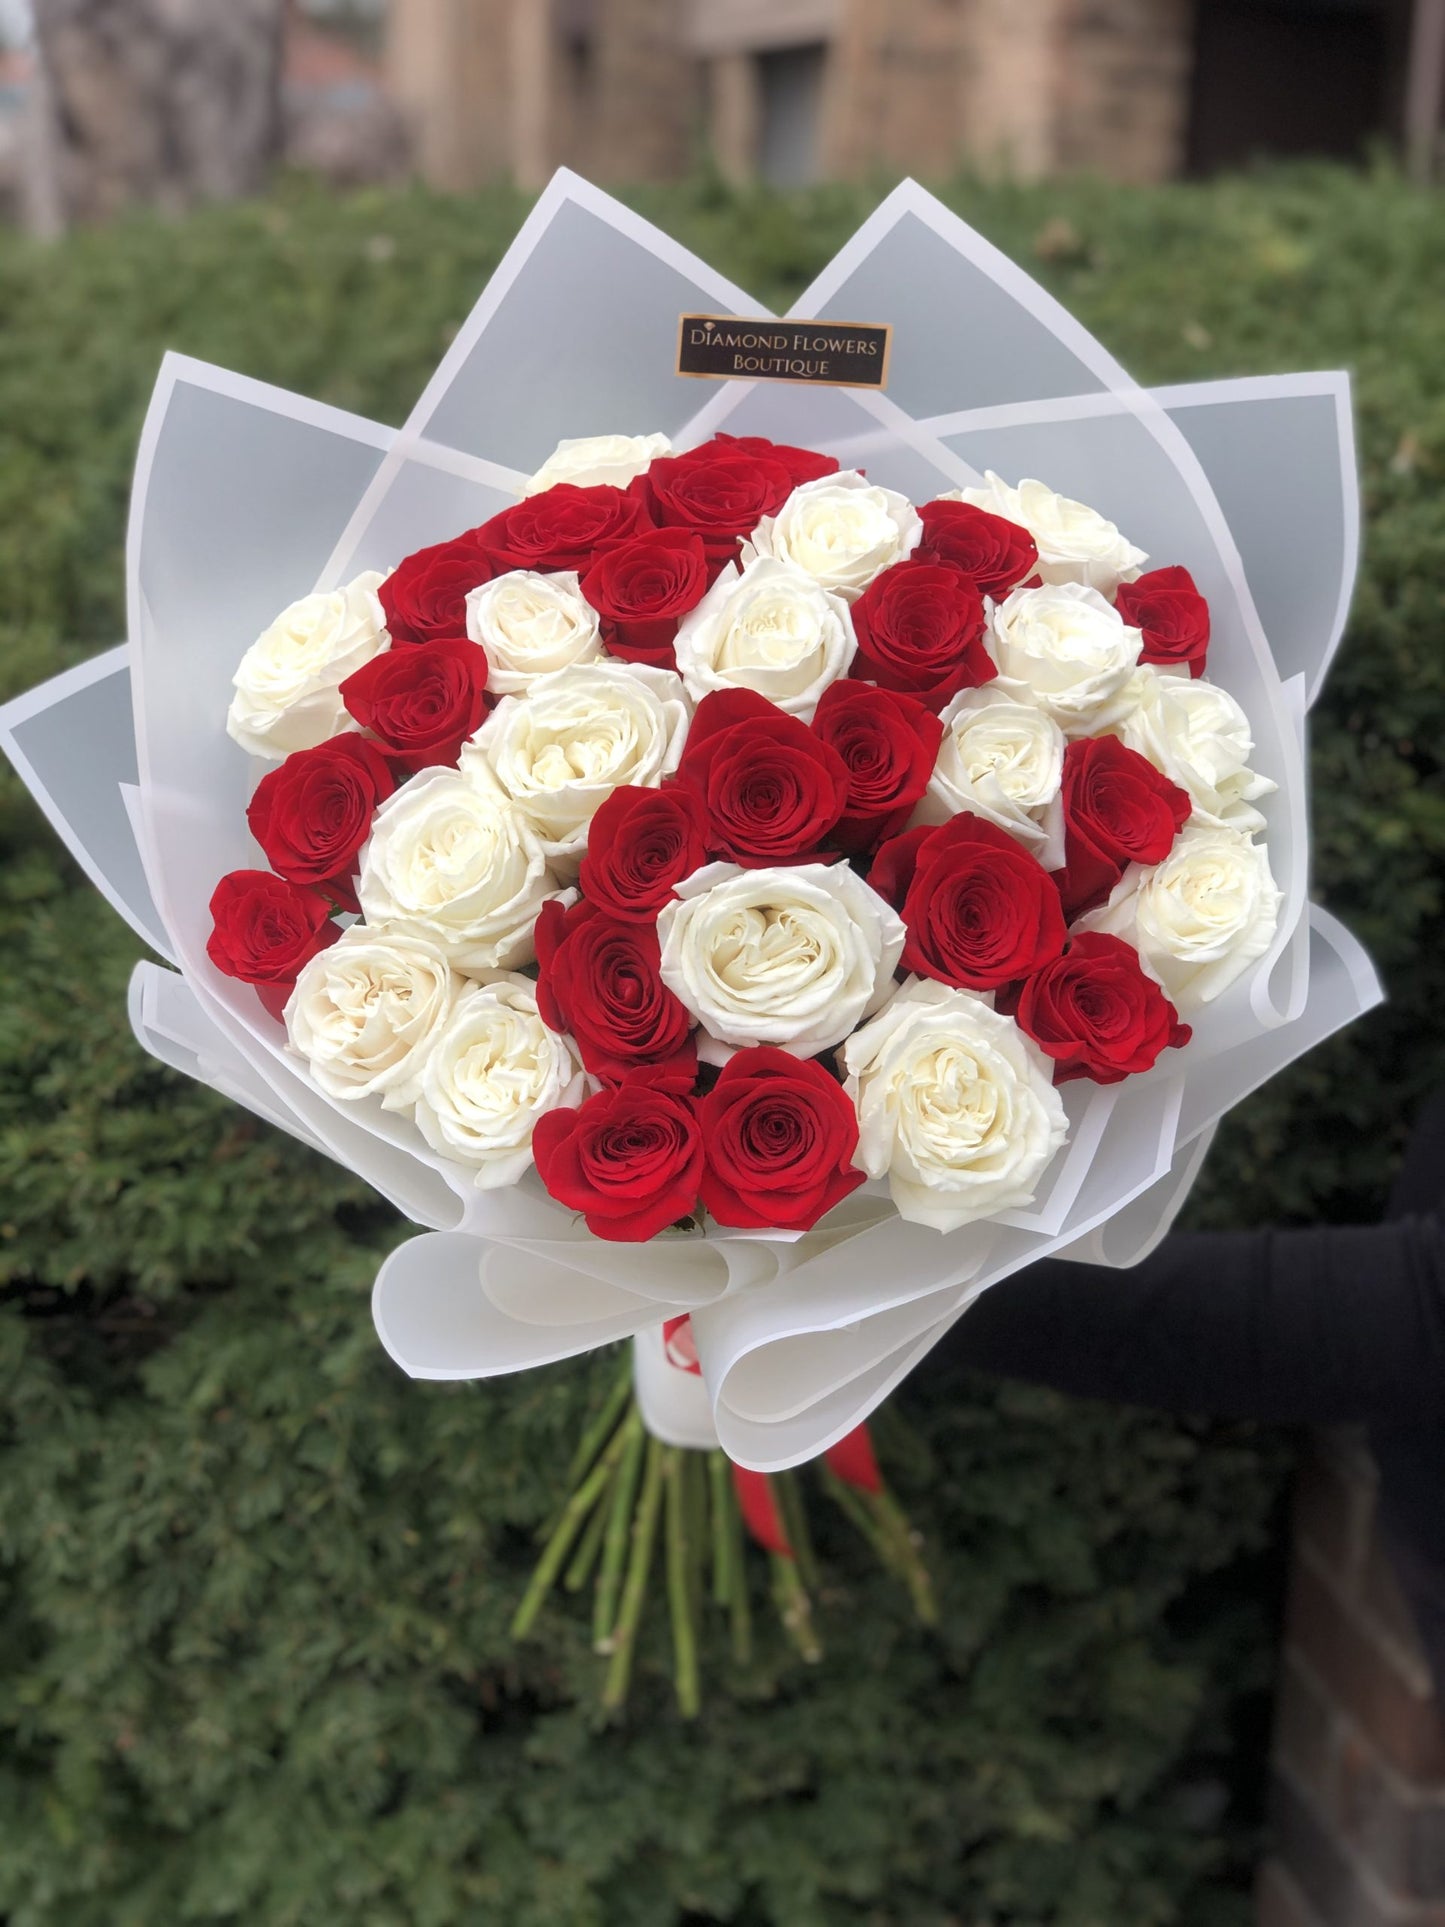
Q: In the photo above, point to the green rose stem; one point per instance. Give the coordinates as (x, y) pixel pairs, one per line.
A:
(911, 1565)
(720, 1480)
(695, 1493)
(680, 1563)
(596, 1435)
(574, 1515)
(794, 1607)
(882, 1522)
(851, 1503)
(634, 1590)
(588, 1547)
(795, 1524)
(729, 1557)
(614, 1543)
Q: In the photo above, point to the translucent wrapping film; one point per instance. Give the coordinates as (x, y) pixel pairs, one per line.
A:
(246, 497)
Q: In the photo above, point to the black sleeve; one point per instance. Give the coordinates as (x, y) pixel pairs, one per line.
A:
(1325, 1326)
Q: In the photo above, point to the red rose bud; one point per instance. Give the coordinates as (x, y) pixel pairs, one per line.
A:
(640, 846)
(630, 1160)
(772, 789)
(888, 743)
(980, 910)
(643, 588)
(562, 528)
(1173, 616)
(720, 491)
(802, 464)
(600, 979)
(312, 815)
(264, 929)
(425, 595)
(920, 629)
(996, 553)
(891, 872)
(1118, 810)
(1096, 1014)
(780, 1137)
(421, 703)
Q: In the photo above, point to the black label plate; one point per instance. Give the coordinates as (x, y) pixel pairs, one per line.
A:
(828, 354)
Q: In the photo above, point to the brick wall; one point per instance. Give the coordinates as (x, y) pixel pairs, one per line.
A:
(895, 86)
(647, 92)
(1358, 1773)
(627, 90)
(1122, 98)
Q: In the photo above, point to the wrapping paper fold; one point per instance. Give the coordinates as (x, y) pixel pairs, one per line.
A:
(246, 497)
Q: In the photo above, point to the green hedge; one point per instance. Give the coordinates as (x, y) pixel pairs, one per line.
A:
(254, 1586)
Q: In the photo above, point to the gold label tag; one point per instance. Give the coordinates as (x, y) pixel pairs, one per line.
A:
(829, 354)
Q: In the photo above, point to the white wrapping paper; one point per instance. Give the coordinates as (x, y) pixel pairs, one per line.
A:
(246, 497)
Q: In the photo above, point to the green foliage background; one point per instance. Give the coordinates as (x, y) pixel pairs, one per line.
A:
(254, 1586)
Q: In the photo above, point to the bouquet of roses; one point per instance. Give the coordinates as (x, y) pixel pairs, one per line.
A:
(726, 832)
(747, 886)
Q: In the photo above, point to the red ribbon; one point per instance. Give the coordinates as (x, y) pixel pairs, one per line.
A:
(854, 1462)
(852, 1459)
(760, 1510)
(678, 1344)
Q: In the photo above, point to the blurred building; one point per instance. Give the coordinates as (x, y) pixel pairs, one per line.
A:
(337, 118)
(797, 90)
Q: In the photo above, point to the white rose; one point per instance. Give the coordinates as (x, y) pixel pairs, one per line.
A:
(365, 1012)
(492, 1070)
(561, 750)
(1197, 734)
(792, 957)
(530, 625)
(588, 461)
(451, 861)
(288, 685)
(1001, 758)
(840, 530)
(773, 629)
(956, 1107)
(1075, 542)
(1071, 651)
(1200, 917)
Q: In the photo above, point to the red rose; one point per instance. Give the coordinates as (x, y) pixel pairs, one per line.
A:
(643, 588)
(721, 491)
(920, 629)
(421, 703)
(312, 815)
(780, 1137)
(425, 595)
(802, 464)
(773, 790)
(1096, 1014)
(980, 910)
(600, 979)
(1118, 810)
(1173, 615)
(891, 872)
(996, 553)
(562, 528)
(264, 929)
(888, 743)
(630, 1160)
(640, 845)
